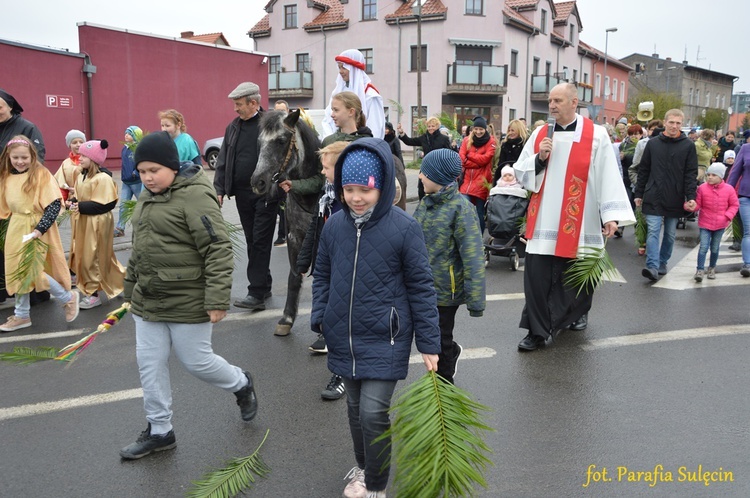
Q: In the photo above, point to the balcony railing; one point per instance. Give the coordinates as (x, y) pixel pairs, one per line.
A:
(541, 85)
(290, 84)
(585, 94)
(483, 78)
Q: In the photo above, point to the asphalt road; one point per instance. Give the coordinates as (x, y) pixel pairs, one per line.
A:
(659, 379)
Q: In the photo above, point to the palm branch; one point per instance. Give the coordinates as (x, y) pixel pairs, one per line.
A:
(587, 272)
(127, 212)
(437, 449)
(25, 355)
(63, 217)
(30, 265)
(737, 231)
(237, 237)
(3, 231)
(641, 228)
(233, 479)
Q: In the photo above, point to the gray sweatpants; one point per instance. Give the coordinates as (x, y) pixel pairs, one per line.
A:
(192, 346)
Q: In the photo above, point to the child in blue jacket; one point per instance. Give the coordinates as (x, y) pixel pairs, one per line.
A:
(373, 293)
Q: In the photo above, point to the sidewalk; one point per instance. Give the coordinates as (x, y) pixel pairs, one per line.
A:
(229, 211)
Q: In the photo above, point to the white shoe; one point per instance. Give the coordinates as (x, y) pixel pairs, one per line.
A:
(72, 307)
(376, 494)
(10, 302)
(88, 302)
(356, 487)
(15, 323)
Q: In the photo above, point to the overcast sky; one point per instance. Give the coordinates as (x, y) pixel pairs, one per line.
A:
(677, 29)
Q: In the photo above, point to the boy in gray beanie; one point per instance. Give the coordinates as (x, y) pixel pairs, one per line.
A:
(454, 244)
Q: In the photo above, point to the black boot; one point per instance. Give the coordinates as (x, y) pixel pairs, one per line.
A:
(247, 400)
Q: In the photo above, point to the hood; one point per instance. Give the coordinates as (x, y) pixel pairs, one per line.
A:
(187, 175)
(383, 150)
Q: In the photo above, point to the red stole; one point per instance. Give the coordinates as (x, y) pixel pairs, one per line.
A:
(574, 196)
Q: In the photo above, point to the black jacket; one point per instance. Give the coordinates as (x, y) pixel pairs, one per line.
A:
(510, 149)
(225, 160)
(667, 175)
(428, 141)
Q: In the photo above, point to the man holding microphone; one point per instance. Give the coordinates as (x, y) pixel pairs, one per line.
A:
(570, 167)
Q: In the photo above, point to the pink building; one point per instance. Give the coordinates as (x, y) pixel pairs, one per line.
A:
(495, 58)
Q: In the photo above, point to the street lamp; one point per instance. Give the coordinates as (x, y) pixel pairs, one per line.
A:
(417, 11)
(606, 84)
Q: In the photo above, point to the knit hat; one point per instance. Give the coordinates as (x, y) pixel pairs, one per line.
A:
(442, 166)
(246, 89)
(717, 169)
(135, 133)
(158, 148)
(622, 120)
(362, 167)
(72, 135)
(746, 134)
(729, 155)
(507, 169)
(96, 150)
(480, 122)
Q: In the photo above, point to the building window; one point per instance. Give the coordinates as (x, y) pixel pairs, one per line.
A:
(415, 118)
(690, 96)
(548, 68)
(717, 101)
(369, 10)
(274, 63)
(708, 98)
(290, 16)
(464, 114)
(697, 97)
(575, 75)
(369, 58)
(303, 62)
(614, 89)
(659, 66)
(473, 56)
(474, 7)
(606, 87)
(414, 58)
(622, 91)
(543, 23)
(586, 78)
(598, 86)
(514, 62)
(572, 33)
(535, 67)
(565, 73)
(723, 101)
(511, 114)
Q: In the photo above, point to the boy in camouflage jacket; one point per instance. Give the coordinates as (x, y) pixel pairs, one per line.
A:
(454, 243)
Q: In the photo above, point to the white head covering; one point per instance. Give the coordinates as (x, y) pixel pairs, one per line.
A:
(354, 61)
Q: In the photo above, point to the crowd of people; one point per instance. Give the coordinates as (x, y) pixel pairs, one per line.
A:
(382, 279)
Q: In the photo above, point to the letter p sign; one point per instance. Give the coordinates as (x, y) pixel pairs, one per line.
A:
(52, 101)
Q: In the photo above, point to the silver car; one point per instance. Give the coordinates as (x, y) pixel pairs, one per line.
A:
(211, 151)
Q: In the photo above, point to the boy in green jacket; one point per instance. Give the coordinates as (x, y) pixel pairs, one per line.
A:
(178, 284)
(451, 230)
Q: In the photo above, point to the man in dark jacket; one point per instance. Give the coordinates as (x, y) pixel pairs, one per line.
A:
(666, 179)
(235, 166)
(429, 141)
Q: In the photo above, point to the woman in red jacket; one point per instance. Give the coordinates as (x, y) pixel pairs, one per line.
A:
(476, 160)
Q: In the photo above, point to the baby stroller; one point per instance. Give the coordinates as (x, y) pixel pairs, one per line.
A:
(505, 213)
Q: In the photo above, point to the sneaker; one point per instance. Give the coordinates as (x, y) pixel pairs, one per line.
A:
(650, 273)
(247, 400)
(88, 302)
(736, 246)
(71, 307)
(375, 494)
(147, 444)
(279, 242)
(663, 269)
(319, 346)
(15, 323)
(711, 273)
(455, 361)
(8, 303)
(698, 276)
(745, 271)
(335, 389)
(356, 487)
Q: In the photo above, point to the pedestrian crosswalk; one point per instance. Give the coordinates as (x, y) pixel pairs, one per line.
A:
(680, 276)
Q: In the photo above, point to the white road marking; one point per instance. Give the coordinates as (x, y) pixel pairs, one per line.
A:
(36, 337)
(67, 404)
(680, 277)
(467, 354)
(505, 297)
(261, 315)
(672, 335)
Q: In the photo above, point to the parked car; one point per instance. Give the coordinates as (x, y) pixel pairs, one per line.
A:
(211, 151)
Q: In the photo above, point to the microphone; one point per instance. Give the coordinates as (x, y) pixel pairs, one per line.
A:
(551, 128)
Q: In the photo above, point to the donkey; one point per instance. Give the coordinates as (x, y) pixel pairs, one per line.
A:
(288, 150)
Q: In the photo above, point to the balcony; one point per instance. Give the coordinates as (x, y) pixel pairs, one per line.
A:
(481, 79)
(284, 85)
(585, 95)
(541, 85)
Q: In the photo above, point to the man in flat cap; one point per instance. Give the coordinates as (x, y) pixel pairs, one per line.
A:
(235, 166)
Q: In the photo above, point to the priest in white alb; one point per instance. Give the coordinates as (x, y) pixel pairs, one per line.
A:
(578, 199)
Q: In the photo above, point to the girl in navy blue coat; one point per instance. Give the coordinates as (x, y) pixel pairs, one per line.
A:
(373, 293)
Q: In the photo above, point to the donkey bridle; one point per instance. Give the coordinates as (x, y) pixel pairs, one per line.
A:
(292, 147)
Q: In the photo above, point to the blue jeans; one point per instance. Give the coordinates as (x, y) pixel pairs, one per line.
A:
(656, 257)
(191, 343)
(126, 193)
(368, 402)
(479, 205)
(745, 215)
(709, 238)
(23, 301)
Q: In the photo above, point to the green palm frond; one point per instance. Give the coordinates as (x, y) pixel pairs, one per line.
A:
(588, 271)
(233, 479)
(641, 228)
(3, 230)
(737, 230)
(237, 237)
(63, 217)
(437, 448)
(30, 265)
(25, 355)
(127, 213)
